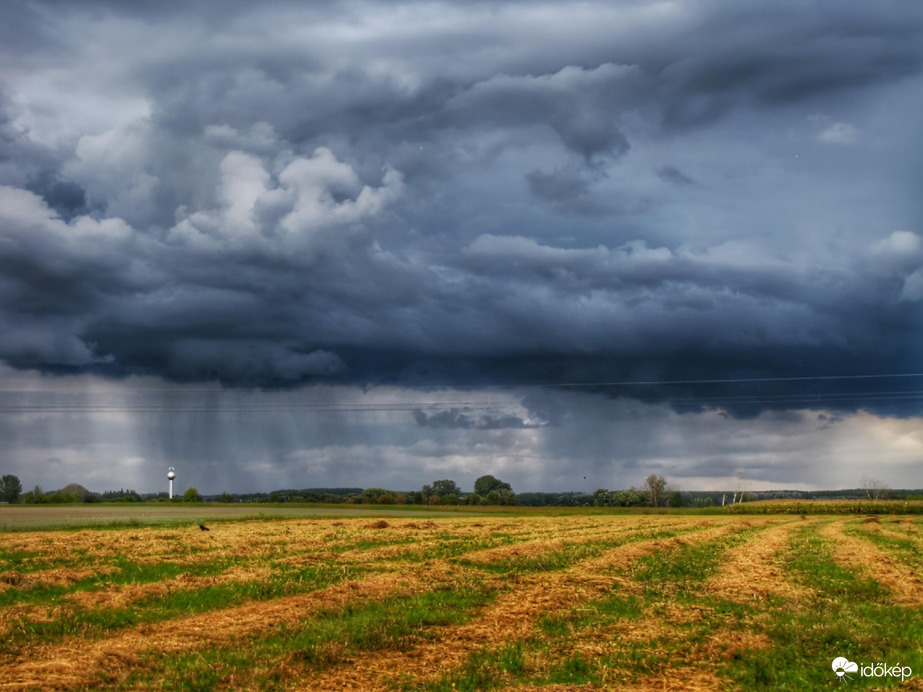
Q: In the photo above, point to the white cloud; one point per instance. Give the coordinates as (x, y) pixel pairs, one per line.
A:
(287, 213)
(839, 133)
(24, 216)
(900, 244)
(329, 191)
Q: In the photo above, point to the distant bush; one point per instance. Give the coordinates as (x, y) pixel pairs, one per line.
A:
(121, 495)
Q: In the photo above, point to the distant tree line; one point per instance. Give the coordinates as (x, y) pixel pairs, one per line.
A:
(488, 490)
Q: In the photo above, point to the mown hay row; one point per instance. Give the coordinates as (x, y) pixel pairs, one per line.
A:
(756, 570)
(512, 617)
(75, 662)
(858, 555)
(747, 572)
(688, 641)
(616, 530)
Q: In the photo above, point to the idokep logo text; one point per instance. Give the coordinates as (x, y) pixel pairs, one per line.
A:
(843, 667)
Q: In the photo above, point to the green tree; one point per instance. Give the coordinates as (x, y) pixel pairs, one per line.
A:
(370, 496)
(441, 493)
(485, 484)
(625, 498)
(10, 488)
(191, 495)
(601, 498)
(36, 496)
(675, 499)
(446, 487)
(227, 497)
(656, 488)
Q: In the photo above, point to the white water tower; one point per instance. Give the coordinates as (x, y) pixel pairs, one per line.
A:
(171, 474)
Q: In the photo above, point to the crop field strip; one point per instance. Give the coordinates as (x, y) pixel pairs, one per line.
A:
(329, 654)
(252, 544)
(576, 634)
(511, 617)
(677, 632)
(896, 562)
(551, 603)
(153, 567)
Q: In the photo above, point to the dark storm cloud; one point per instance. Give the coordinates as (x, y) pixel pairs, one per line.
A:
(579, 105)
(783, 56)
(572, 190)
(66, 198)
(22, 161)
(457, 419)
(474, 194)
(675, 176)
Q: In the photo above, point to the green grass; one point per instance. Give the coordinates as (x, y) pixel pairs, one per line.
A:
(848, 617)
(685, 567)
(328, 639)
(595, 613)
(483, 670)
(126, 572)
(907, 550)
(571, 553)
(22, 562)
(100, 622)
(656, 618)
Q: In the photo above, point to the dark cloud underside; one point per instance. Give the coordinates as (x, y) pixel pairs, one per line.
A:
(464, 193)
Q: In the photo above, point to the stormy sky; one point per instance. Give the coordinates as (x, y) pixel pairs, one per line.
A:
(283, 244)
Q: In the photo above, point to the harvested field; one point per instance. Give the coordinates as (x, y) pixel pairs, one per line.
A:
(456, 603)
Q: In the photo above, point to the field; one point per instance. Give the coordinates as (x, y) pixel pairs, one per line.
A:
(518, 601)
(26, 517)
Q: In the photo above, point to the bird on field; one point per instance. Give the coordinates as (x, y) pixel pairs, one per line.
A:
(204, 527)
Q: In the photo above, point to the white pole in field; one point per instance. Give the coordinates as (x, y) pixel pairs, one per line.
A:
(171, 474)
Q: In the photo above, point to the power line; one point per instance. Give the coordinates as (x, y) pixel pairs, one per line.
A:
(717, 401)
(181, 389)
(141, 408)
(737, 380)
(853, 397)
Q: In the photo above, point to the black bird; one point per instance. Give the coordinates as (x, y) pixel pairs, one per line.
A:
(204, 527)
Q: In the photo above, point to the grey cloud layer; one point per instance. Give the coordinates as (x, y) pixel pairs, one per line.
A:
(535, 439)
(473, 192)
